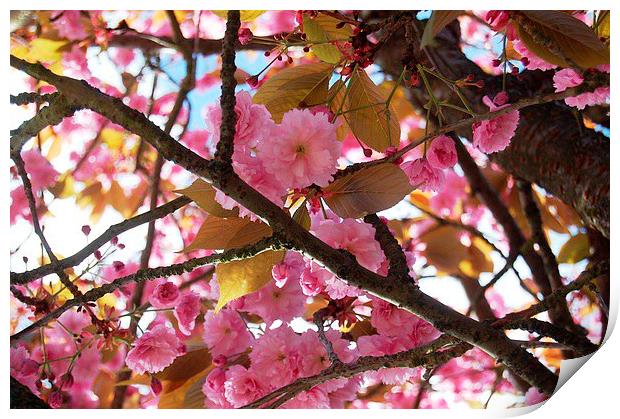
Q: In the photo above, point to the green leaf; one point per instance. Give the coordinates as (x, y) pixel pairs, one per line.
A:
(322, 29)
(286, 90)
(203, 195)
(368, 116)
(367, 191)
(439, 19)
(228, 233)
(242, 277)
(571, 39)
(575, 249)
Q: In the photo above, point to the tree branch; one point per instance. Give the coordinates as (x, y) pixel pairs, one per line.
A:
(109, 234)
(427, 355)
(148, 274)
(225, 146)
(392, 250)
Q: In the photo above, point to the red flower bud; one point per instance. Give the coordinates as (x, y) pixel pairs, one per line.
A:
(245, 35)
(252, 81)
(86, 230)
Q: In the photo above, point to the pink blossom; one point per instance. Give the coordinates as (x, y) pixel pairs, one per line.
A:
(355, 237)
(291, 267)
(278, 356)
(252, 171)
(566, 78)
(19, 204)
(445, 201)
(207, 81)
(253, 123)
(242, 386)
(138, 102)
(186, 311)
(534, 396)
(535, 62)
(273, 303)
(74, 63)
(315, 398)
(423, 175)
(275, 21)
(599, 96)
(441, 154)
(314, 278)
(23, 368)
(69, 25)
(40, 171)
(494, 135)
(164, 295)
(156, 349)
(302, 150)
(213, 390)
(225, 333)
(123, 56)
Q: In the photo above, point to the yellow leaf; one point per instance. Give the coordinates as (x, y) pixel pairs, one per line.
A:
(444, 250)
(421, 200)
(402, 106)
(339, 102)
(322, 29)
(290, 87)
(203, 195)
(228, 233)
(476, 262)
(186, 366)
(242, 277)
(438, 20)
(117, 198)
(571, 38)
(368, 117)
(64, 187)
(575, 249)
(113, 138)
(246, 15)
(367, 191)
(175, 399)
(602, 28)
(41, 50)
(301, 216)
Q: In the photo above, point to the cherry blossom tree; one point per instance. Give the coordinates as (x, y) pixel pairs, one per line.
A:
(306, 209)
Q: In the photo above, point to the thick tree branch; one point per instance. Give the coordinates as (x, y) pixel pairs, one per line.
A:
(392, 250)
(59, 108)
(576, 342)
(225, 146)
(23, 398)
(484, 190)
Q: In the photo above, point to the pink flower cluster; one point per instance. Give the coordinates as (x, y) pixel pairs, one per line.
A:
(567, 78)
(300, 151)
(156, 349)
(495, 134)
(427, 173)
(279, 357)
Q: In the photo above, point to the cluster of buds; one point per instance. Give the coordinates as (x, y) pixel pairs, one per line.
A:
(469, 80)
